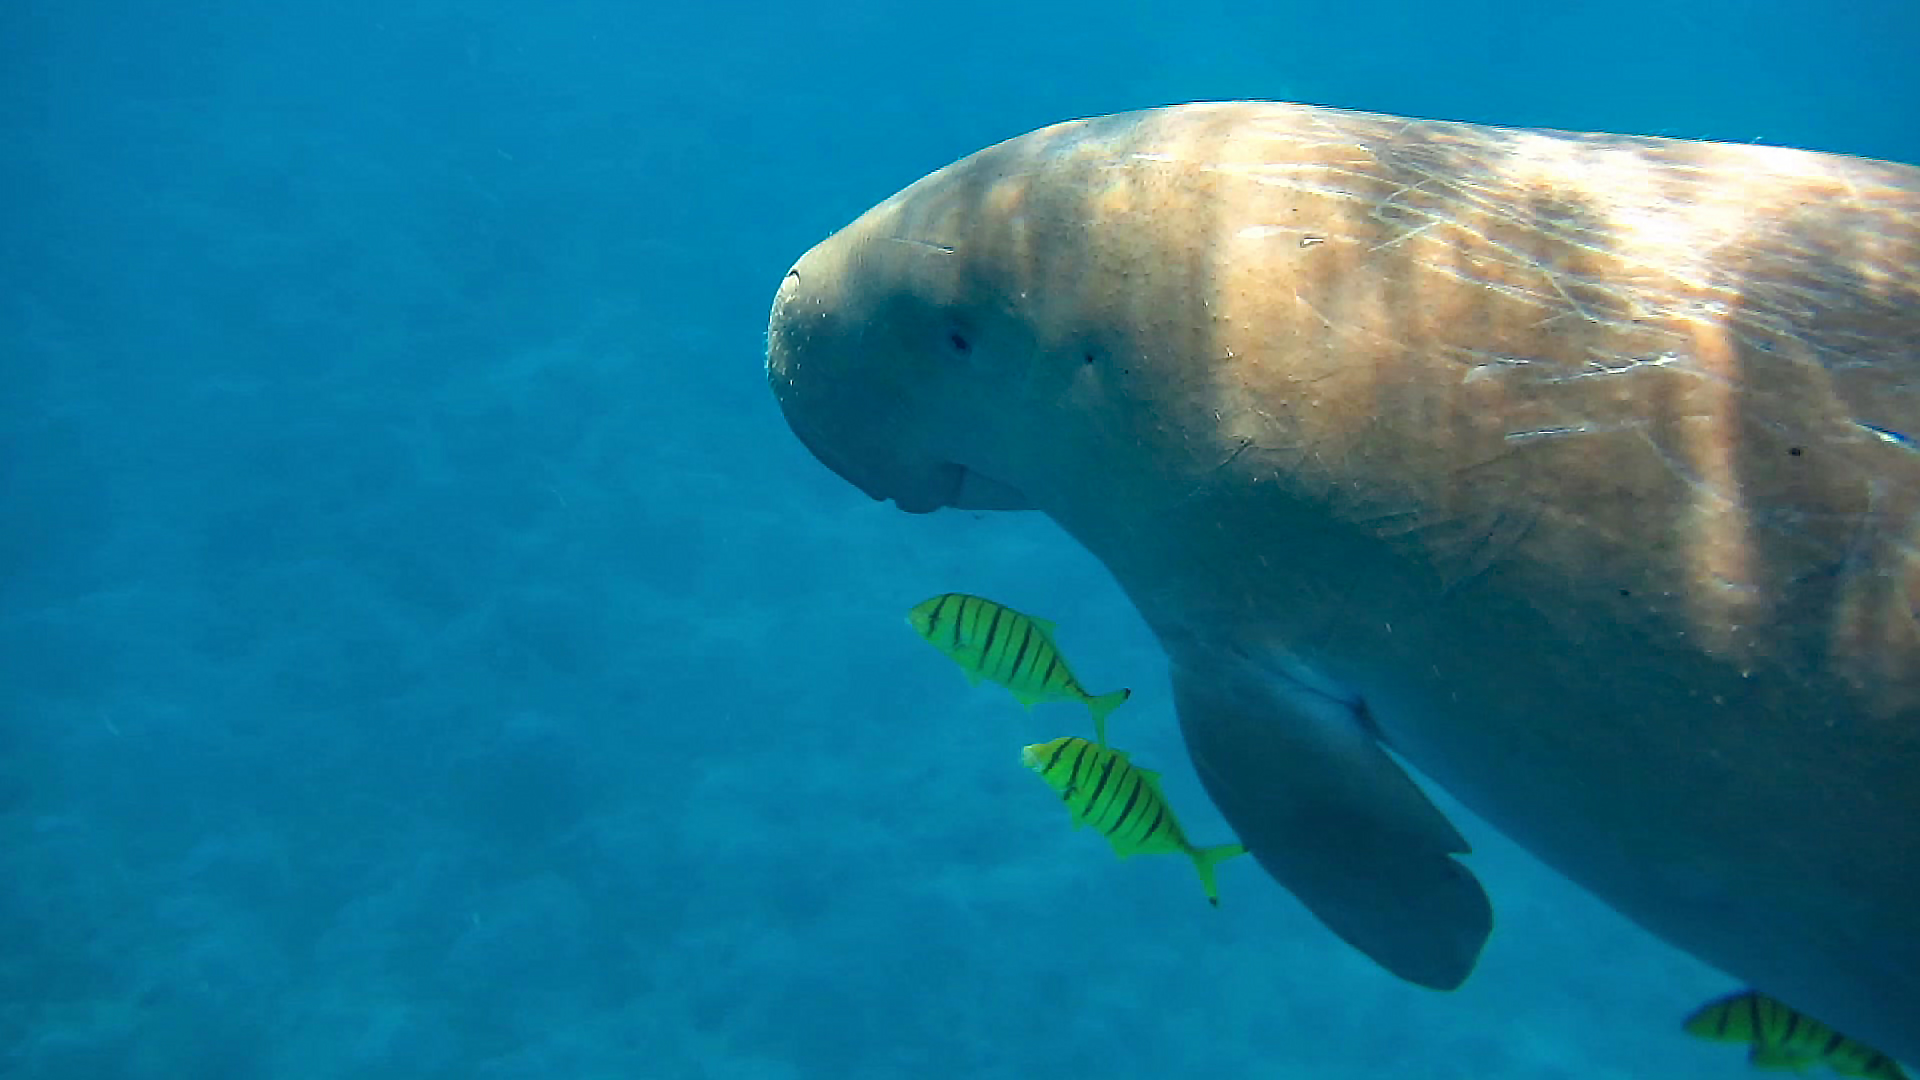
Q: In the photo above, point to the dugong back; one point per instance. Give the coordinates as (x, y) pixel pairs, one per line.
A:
(1588, 462)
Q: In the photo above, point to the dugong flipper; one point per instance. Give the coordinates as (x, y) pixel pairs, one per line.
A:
(1582, 473)
(1309, 791)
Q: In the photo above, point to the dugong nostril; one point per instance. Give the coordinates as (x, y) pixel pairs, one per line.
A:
(783, 301)
(789, 288)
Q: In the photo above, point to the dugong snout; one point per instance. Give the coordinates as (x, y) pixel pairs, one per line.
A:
(883, 428)
(854, 427)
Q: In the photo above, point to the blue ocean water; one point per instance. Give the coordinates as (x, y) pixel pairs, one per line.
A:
(424, 651)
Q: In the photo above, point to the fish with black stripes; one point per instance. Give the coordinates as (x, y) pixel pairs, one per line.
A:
(1103, 789)
(1785, 1038)
(992, 641)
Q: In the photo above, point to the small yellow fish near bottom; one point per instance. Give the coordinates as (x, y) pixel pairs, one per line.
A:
(1103, 789)
(1785, 1038)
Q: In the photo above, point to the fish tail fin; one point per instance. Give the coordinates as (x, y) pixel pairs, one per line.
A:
(1205, 859)
(1100, 706)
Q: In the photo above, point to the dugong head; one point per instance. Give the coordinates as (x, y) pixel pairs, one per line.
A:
(905, 353)
(870, 372)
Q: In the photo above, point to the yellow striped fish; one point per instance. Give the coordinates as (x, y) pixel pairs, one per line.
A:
(1103, 789)
(993, 641)
(1784, 1038)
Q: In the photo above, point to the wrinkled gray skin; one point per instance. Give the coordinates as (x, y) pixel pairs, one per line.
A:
(1577, 470)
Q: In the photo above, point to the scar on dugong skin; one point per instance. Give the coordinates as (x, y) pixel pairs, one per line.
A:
(1577, 471)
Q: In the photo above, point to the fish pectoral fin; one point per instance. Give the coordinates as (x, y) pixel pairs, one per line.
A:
(1332, 817)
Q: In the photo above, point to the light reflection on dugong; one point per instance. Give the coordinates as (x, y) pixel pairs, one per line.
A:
(1578, 470)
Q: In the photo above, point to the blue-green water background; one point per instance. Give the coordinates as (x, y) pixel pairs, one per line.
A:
(425, 653)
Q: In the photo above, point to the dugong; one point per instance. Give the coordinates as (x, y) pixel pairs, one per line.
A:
(1579, 472)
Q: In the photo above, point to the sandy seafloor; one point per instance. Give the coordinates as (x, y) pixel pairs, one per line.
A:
(424, 652)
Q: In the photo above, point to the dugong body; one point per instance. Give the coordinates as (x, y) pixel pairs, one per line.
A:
(1582, 472)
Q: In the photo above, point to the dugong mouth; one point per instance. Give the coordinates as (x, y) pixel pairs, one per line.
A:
(921, 491)
(955, 486)
(978, 491)
(925, 492)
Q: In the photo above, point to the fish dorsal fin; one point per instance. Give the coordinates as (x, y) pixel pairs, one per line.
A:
(1144, 773)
